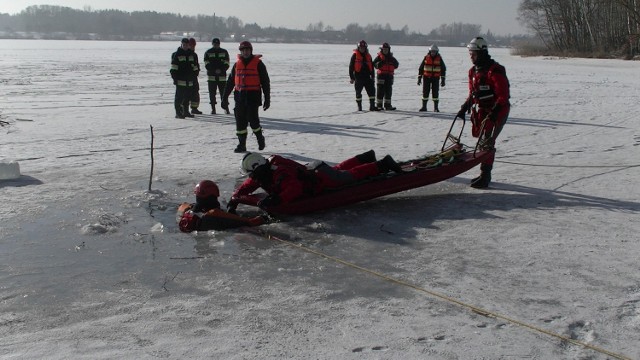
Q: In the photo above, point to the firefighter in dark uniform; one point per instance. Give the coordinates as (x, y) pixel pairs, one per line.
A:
(362, 75)
(431, 75)
(195, 92)
(386, 64)
(183, 75)
(248, 80)
(216, 61)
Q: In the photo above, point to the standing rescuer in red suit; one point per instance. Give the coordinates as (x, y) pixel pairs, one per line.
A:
(386, 64)
(248, 81)
(431, 75)
(488, 102)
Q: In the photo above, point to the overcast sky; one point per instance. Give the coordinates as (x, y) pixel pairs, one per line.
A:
(499, 16)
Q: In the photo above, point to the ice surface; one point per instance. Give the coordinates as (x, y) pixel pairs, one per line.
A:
(92, 265)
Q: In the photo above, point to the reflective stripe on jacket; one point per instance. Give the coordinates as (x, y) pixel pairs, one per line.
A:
(432, 66)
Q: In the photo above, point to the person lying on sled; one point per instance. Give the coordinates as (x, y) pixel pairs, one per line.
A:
(285, 180)
(206, 213)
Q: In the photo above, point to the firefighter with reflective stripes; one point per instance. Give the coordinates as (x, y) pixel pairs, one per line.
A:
(216, 61)
(362, 75)
(248, 80)
(386, 64)
(183, 74)
(431, 75)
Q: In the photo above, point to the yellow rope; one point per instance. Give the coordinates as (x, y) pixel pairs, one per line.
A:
(473, 308)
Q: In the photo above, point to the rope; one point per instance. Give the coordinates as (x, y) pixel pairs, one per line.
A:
(569, 166)
(473, 308)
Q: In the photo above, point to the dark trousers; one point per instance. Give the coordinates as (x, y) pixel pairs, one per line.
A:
(213, 87)
(385, 88)
(366, 84)
(181, 100)
(430, 84)
(195, 95)
(246, 116)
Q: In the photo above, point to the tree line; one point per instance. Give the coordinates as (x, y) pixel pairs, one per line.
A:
(599, 28)
(57, 22)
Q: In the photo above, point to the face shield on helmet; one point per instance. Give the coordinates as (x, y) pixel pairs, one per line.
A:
(251, 161)
(434, 49)
(478, 44)
(206, 188)
(363, 44)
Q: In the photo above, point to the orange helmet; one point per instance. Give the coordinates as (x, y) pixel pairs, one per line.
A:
(206, 188)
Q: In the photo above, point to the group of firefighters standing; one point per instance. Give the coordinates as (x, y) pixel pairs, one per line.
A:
(363, 70)
(487, 102)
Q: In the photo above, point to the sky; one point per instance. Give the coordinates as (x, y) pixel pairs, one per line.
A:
(499, 16)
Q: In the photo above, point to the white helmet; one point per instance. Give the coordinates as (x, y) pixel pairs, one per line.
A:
(434, 47)
(251, 161)
(478, 44)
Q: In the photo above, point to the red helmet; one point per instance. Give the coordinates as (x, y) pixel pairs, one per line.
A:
(206, 188)
(244, 45)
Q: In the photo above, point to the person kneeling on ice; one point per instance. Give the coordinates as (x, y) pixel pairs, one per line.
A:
(206, 213)
(286, 180)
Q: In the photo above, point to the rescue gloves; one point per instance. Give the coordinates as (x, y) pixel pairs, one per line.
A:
(225, 104)
(419, 79)
(442, 81)
(269, 201)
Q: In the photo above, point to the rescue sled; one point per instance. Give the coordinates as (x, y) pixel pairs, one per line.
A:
(453, 159)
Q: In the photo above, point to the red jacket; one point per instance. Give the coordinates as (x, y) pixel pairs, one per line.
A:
(488, 88)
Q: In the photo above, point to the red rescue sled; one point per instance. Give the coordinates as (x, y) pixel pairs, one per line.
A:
(453, 160)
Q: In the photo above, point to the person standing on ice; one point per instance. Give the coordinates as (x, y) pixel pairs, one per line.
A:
(216, 61)
(206, 213)
(386, 64)
(286, 180)
(362, 75)
(488, 103)
(195, 92)
(431, 76)
(248, 80)
(182, 73)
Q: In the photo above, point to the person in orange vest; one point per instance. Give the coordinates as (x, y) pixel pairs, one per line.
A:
(195, 92)
(488, 103)
(431, 76)
(206, 213)
(362, 75)
(386, 64)
(248, 80)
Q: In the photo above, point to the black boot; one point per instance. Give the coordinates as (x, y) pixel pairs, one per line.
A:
(242, 144)
(435, 106)
(388, 164)
(367, 157)
(482, 181)
(195, 111)
(372, 105)
(424, 105)
(359, 102)
(260, 138)
(379, 105)
(213, 109)
(179, 114)
(388, 106)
